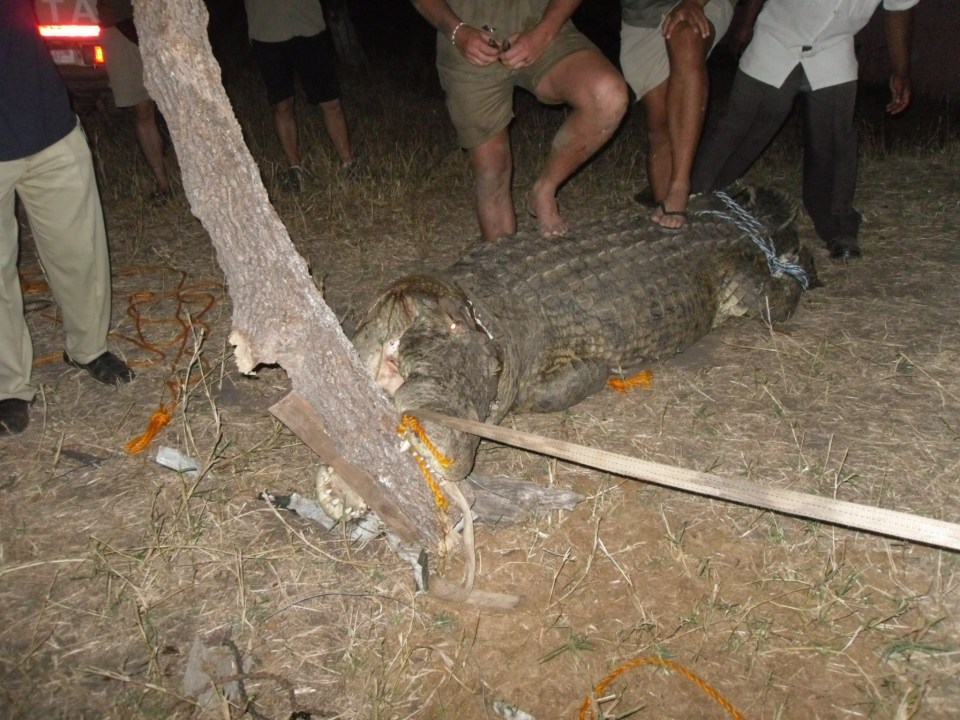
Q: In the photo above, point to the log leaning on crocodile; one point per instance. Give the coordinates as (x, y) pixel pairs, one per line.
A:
(528, 324)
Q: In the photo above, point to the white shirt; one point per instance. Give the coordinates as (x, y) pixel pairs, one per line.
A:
(280, 20)
(816, 33)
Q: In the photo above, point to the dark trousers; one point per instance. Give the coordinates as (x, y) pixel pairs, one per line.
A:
(754, 114)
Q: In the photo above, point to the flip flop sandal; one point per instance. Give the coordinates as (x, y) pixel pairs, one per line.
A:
(669, 213)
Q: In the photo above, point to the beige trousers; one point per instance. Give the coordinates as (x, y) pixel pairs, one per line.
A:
(58, 190)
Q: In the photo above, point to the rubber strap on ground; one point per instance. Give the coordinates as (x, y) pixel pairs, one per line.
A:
(876, 520)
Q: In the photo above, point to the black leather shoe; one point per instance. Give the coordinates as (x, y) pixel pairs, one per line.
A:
(107, 369)
(844, 248)
(14, 416)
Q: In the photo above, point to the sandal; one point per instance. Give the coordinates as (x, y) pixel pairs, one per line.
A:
(669, 213)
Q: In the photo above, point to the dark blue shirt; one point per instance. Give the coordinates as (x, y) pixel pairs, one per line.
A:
(35, 109)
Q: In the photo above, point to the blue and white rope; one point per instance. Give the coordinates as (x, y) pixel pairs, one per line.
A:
(755, 230)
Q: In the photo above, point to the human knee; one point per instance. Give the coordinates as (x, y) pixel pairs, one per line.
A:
(145, 112)
(609, 99)
(283, 110)
(331, 107)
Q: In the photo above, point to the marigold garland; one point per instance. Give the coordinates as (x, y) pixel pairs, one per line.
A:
(644, 378)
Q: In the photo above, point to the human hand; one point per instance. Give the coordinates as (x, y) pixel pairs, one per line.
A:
(690, 12)
(901, 94)
(523, 49)
(477, 46)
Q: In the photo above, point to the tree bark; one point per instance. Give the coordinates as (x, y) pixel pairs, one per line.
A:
(278, 314)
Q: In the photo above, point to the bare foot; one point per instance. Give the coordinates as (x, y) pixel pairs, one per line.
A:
(547, 214)
(501, 236)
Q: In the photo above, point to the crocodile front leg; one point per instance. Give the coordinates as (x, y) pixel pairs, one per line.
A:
(564, 385)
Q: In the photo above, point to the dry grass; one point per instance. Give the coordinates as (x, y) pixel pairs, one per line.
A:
(111, 566)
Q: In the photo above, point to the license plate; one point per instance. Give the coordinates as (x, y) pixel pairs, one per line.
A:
(68, 56)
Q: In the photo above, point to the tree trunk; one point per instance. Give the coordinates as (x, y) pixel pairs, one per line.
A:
(344, 35)
(278, 314)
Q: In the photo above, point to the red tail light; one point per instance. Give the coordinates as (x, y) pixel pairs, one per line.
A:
(93, 55)
(70, 31)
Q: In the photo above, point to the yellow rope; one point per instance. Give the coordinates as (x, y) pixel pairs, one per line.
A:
(644, 379)
(586, 711)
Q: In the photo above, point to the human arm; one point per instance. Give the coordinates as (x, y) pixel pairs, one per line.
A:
(473, 43)
(899, 24)
(741, 32)
(526, 46)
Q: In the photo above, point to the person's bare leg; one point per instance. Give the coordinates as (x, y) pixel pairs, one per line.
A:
(686, 103)
(492, 166)
(336, 124)
(597, 96)
(151, 142)
(659, 156)
(285, 123)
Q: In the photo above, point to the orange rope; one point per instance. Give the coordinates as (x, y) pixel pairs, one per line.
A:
(409, 422)
(586, 710)
(32, 281)
(159, 420)
(644, 379)
(438, 497)
(191, 305)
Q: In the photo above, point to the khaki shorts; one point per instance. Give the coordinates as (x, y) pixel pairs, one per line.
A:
(643, 50)
(480, 100)
(124, 68)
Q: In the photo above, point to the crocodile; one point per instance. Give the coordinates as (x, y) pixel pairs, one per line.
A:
(528, 324)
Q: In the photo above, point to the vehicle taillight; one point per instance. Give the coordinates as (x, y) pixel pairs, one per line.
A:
(93, 55)
(70, 31)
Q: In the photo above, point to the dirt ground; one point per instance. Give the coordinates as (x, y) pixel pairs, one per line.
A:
(112, 566)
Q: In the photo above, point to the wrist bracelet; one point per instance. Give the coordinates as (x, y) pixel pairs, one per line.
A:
(453, 35)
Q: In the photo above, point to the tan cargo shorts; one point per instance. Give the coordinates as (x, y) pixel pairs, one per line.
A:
(124, 68)
(480, 99)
